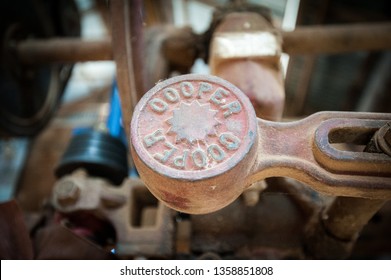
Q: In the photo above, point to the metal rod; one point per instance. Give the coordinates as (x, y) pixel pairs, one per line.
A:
(303, 40)
(337, 38)
(346, 216)
(333, 233)
(63, 50)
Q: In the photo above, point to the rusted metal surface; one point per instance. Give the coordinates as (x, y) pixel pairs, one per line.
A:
(181, 47)
(49, 146)
(334, 230)
(384, 138)
(126, 42)
(344, 130)
(169, 49)
(272, 226)
(143, 226)
(381, 141)
(346, 216)
(245, 50)
(63, 50)
(179, 120)
(303, 40)
(337, 39)
(298, 151)
(191, 129)
(67, 193)
(239, 231)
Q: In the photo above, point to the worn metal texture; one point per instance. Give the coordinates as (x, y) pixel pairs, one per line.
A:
(178, 121)
(143, 226)
(193, 130)
(334, 230)
(381, 141)
(337, 38)
(297, 150)
(245, 50)
(271, 229)
(346, 216)
(329, 39)
(126, 23)
(62, 50)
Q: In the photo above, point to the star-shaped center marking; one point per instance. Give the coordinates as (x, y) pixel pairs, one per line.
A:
(193, 121)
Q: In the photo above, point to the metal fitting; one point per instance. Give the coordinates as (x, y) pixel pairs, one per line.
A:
(67, 193)
(245, 50)
(381, 141)
(383, 138)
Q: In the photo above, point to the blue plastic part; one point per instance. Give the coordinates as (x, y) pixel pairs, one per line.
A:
(114, 120)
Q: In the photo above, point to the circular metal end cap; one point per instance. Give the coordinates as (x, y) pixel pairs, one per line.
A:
(192, 128)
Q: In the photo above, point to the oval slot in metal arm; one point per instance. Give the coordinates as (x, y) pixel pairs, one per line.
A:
(197, 145)
(350, 131)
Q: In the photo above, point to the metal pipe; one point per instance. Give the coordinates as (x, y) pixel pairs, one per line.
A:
(337, 38)
(64, 50)
(332, 233)
(346, 216)
(303, 40)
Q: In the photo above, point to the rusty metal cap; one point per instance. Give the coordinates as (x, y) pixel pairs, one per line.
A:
(192, 129)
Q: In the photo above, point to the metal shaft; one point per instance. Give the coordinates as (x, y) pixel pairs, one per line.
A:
(337, 38)
(346, 216)
(63, 50)
(303, 40)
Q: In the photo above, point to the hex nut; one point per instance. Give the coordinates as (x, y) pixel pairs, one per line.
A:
(67, 193)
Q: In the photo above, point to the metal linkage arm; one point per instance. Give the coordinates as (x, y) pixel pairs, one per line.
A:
(197, 145)
(308, 150)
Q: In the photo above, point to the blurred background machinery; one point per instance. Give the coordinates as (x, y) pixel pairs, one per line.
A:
(72, 72)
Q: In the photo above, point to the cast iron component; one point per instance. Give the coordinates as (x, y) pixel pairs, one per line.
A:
(245, 50)
(99, 153)
(333, 231)
(143, 225)
(194, 133)
(381, 141)
(197, 145)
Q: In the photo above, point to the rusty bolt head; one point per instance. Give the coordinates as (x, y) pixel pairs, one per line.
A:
(191, 139)
(67, 193)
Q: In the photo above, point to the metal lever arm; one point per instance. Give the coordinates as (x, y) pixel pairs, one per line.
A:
(304, 150)
(197, 145)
